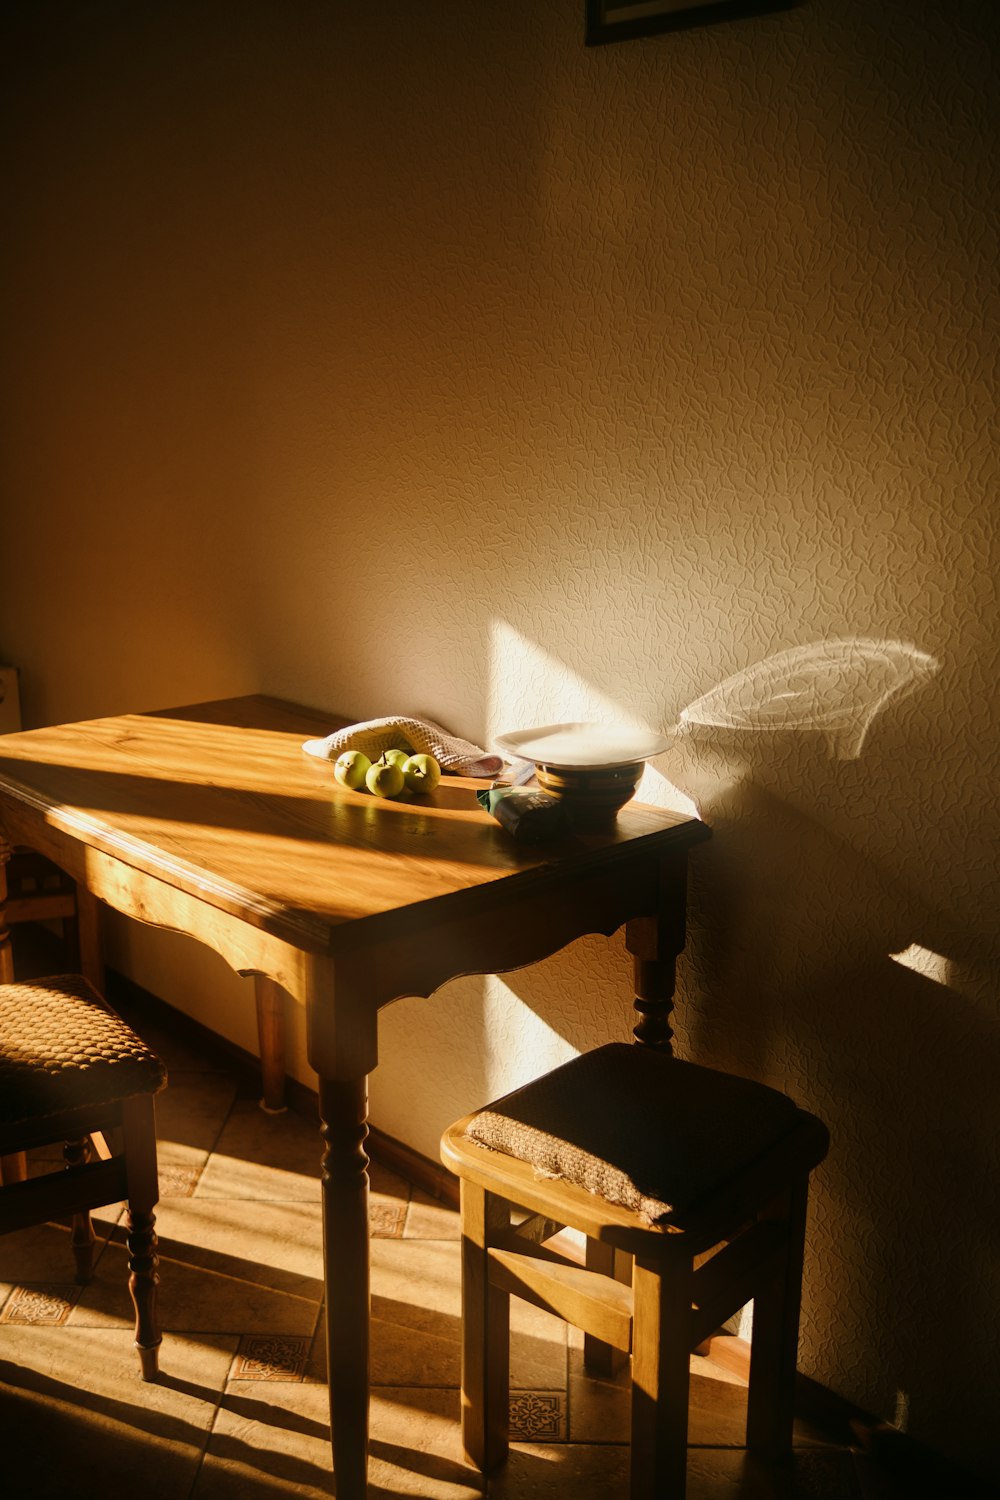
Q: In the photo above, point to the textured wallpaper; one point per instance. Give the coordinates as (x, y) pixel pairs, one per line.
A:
(429, 362)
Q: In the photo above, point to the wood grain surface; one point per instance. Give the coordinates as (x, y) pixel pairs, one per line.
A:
(219, 800)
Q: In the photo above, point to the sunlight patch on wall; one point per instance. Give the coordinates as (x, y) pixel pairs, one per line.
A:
(528, 687)
(923, 961)
(518, 1044)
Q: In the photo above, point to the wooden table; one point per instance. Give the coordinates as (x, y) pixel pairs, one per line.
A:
(211, 821)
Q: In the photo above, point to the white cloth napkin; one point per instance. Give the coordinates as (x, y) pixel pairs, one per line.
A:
(418, 736)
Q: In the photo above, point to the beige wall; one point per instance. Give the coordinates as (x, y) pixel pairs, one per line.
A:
(416, 358)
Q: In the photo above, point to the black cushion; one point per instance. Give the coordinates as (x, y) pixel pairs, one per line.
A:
(638, 1127)
(62, 1047)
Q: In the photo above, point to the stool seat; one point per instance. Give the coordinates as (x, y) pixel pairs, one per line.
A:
(701, 1177)
(637, 1127)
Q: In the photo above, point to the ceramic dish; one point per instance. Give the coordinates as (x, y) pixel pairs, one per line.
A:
(583, 747)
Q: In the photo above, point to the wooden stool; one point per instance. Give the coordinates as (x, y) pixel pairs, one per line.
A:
(700, 1176)
(72, 1071)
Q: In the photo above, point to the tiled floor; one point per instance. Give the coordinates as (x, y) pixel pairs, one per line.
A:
(239, 1412)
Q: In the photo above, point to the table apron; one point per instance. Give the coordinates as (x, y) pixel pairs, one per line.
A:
(517, 928)
(509, 927)
(348, 1033)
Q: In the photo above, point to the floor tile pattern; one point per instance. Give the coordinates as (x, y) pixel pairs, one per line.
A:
(40, 1302)
(280, 1357)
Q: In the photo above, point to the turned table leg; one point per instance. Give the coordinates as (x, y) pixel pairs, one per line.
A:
(344, 1116)
(139, 1131)
(271, 1041)
(654, 943)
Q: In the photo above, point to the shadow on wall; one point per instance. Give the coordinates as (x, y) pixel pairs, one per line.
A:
(815, 965)
(805, 968)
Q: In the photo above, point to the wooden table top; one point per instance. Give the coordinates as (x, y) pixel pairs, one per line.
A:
(220, 801)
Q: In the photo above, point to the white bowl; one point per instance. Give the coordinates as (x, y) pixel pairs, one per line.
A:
(583, 747)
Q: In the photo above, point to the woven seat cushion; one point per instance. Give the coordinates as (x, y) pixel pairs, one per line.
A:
(638, 1127)
(62, 1047)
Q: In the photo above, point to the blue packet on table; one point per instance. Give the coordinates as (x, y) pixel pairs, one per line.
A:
(528, 815)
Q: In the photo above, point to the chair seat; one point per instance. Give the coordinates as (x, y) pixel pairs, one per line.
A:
(637, 1127)
(62, 1048)
(71, 1070)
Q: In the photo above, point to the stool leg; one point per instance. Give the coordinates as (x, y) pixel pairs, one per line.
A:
(139, 1132)
(599, 1358)
(661, 1345)
(774, 1344)
(485, 1333)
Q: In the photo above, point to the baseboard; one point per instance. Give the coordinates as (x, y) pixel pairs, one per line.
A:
(424, 1173)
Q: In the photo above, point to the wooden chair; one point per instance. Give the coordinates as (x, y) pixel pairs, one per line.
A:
(71, 1071)
(701, 1177)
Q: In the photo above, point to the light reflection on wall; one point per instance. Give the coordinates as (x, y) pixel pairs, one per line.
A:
(836, 688)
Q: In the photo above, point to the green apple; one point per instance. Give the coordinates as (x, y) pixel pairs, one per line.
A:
(351, 768)
(395, 757)
(421, 773)
(384, 778)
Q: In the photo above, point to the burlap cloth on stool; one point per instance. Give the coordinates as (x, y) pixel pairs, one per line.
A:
(638, 1127)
